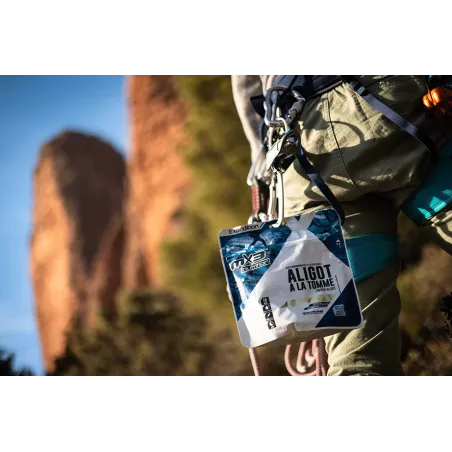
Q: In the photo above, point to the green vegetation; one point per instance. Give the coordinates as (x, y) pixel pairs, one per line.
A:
(7, 366)
(148, 334)
(422, 284)
(218, 157)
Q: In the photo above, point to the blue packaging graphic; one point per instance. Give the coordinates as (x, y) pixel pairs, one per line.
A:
(290, 282)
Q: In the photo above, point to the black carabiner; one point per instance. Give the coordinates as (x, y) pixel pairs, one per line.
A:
(287, 152)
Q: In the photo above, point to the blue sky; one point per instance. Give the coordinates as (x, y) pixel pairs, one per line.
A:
(32, 110)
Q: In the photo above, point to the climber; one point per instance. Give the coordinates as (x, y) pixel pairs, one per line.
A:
(375, 164)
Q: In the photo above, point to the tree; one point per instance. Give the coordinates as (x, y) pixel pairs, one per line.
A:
(147, 334)
(7, 366)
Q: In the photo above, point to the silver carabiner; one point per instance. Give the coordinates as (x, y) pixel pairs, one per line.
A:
(284, 124)
(272, 212)
(280, 196)
(270, 104)
(278, 150)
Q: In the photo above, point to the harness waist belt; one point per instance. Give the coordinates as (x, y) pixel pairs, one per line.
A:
(308, 85)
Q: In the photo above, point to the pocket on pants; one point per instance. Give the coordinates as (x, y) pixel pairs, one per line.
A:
(378, 155)
(318, 141)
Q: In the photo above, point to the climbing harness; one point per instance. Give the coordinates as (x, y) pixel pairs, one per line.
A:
(281, 146)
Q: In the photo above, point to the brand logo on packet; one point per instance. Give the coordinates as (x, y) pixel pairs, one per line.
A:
(268, 313)
(251, 261)
(247, 227)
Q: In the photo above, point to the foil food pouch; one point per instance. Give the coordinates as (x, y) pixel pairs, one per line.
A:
(290, 282)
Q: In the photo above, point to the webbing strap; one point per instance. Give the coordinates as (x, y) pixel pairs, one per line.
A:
(435, 193)
(388, 112)
(370, 253)
(317, 180)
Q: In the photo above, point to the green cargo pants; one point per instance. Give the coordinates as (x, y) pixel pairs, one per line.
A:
(371, 166)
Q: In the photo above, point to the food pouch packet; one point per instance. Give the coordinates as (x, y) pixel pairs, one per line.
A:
(290, 282)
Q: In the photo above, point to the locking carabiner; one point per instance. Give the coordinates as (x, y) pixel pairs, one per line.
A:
(270, 106)
(296, 108)
(282, 153)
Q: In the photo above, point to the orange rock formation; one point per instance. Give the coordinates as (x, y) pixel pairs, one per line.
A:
(78, 236)
(158, 179)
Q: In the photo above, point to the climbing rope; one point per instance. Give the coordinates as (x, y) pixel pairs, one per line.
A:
(312, 360)
(255, 362)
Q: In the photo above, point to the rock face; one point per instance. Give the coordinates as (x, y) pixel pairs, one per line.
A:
(78, 234)
(158, 180)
